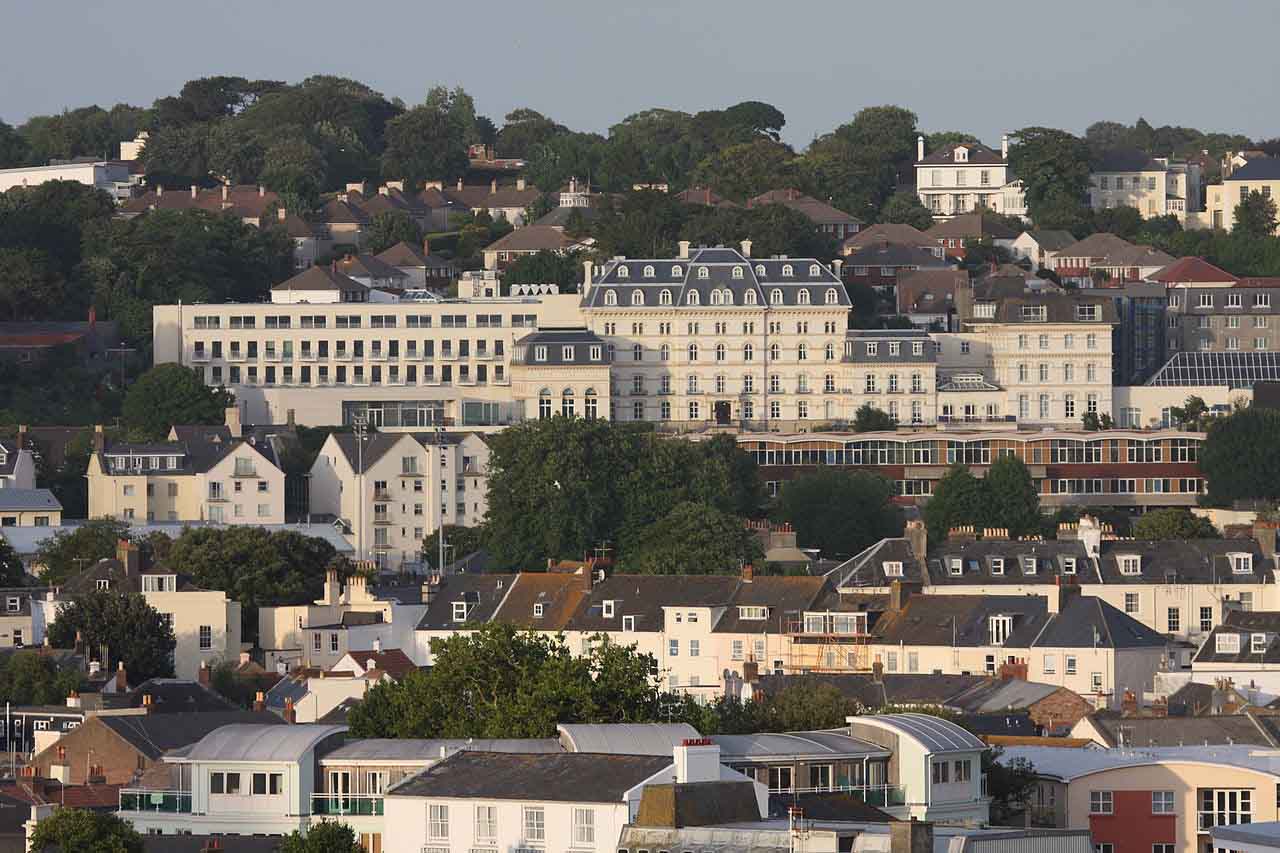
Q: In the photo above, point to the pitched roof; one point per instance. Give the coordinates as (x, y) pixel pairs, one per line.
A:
(577, 777)
(704, 196)
(1117, 731)
(1244, 625)
(886, 232)
(533, 238)
(1052, 240)
(642, 598)
(697, 804)
(393, 662)
(154, 734)
(321, 278)
(175, 696)
(367, 266)
(484, 196)
(543, 600)
(1191, 270)
(1099, 245)
(1185, 561)
(403, 255)
(1258, 169)
(28, 500)
(819, 211)
(929, 291)
(481, 593)
(977, 155)
(894, 255)
(972, 226)
(1126, 160)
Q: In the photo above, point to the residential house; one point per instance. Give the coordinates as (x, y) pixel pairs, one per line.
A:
(17, 462)
(1154, 186)
(704, 197)
(421, 268)
(879, 265)
(88, 342)
(1241, 651)
(1042, 246)
(955, 233)
(312, 695)
(829, 220)
(1107, 258)
(17, 628)
(966, 177)
(1258, 175)
(373, 273)
(927, 297)
(530, 240)
(1219, 314)
(1113, 731)
(29, 508)
(887, 232)
(510, 202)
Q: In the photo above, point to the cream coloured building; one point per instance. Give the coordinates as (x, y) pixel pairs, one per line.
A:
(1260, 175)
(965, 177)
(1155, 186)
(29, 508)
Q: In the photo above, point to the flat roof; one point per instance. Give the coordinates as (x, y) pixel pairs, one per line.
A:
(793, 745)
(432, 749)
(1068, 764)
(625, 738)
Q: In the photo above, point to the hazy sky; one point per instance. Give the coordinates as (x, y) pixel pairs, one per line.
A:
(971, 65)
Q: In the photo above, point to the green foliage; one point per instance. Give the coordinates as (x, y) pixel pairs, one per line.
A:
(639, 225)
(1166, 141)
(1191, 414)
(1054, 167)
(29, 678)
(838, 511)
(958, 499)
(561, 487)
(1125, 222)
(774, 229)
(559, 268)
(294, 167)
(13, 148)
(1009, 784)
(49, 221)
(391, 227)
(524, 131)
(459, 542)
(1237, 252)
(1173, 523)
(806, 705)
(132, 630)
(82, 831)
(11, 571)
(84, 132)
(1012, 501)
(906, 209)
(170, 394)
(503, 683)
(693, 539)
(1255, 216)
(327, 836)
(1240, 457)
(859, 163)
(253, 566)
(870, 419)
(65, 555)
(742, 171)
(427, 143)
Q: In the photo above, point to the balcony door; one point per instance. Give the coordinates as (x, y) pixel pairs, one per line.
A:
(340, 790)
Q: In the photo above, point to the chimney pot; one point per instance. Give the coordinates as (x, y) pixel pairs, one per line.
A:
(195, 191)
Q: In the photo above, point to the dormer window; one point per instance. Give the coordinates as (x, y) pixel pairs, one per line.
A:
(676, 271)
(955, 566)
(775, 297)
(832, 296)
(760, 270)
(1068, 565)
(814, 270)
(893, 569)
(1001, 628)
(802, 298)
(606, 608)
(1088, 313)
(1130, 564)
(962, 154)
(997, 565)
(610, 297)
(1033, 313)
(1227, 644)
(753, 613)
(1257, 643)
(159, 583)
(103, 584)
(693, 298)
(664, 297)
(704, 272)
(649, 271)
(788, 271)
(1028, 565)
(623, 272)
(637, 297)
(459, 611)
(749, 298)
(538, 611)
(737, 272)
(628, 623)
(1241, 564)
(873, 348)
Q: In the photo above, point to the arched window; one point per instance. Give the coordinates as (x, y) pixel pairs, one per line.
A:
(748, 352)
(693, 352)
(693, 298)
(775, 296)
(814, 270)
(544, 404)
(749, 298)
(623, 272)
(829, 352)
(802, 352)
(637, 297)
(802, 297)
(760, 270)
(610, 297)
(775, 352)
(664, 298)
(715, 297)
(737, 272)
(664, 353)
(648, 271)
(591, 405)
(832, 296)
(704, 272)
(728, 296)
(676, 271)
(566, 402)
(720, 352)
(788, 271)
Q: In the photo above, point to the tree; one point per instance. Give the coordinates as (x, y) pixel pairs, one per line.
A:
(295, 167)
(1054, 168)
(906, 209)
(563, 269)
(524, 131)
(1124, 221)
(426, 143)
(391, 227)
(870, 419)
(65, 555)
(693, 539)
(774, 229)
(82, 831)
(1255, 216)
(1009, 784)
(12, 572)
(459, 542)
(327, 836)
(169, 394)
(133, 631)
(839, 512)
(1012, 501)
(30, 288)
(1173, 523)
(13, 148)
(30, 678)
(958, 499)
(861, 162)
(497, 682)
(742, 171)
(1240, 457)
(1191, 414)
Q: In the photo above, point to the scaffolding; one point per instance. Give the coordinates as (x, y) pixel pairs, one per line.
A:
(827, 641)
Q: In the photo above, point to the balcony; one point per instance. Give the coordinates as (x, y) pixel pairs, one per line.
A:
(163, 802)
(377, 355)
(307, 355)
(382, 520)
(351, 804)
(235, 355)
(200, 355)
(879, 796)
(245, 471)
(341, 355)
(382, 495)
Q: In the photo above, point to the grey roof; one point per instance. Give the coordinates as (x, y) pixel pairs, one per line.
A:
(321, 279)
(1053, 240)
(867, 568)
(1264, 834)
(625, 738)
(578, 341)
(933, 733)
(1126, 160)
(1246, 625)
(28, 499)
(1258, 169)
(978, 155)
(1009, 562)
(895, 255)
(1004, 694)
(1058, 308)
(565, 777)
(412, 750)
(1185, 561)
(261, 742)
(1119, 731)
(1068, 764)
(368, 266)
(482, 593)
(768, 746)
(644, 596)
(873, 346)
(155, 734)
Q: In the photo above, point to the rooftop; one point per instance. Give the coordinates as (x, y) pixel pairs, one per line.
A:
(260, 743)
(1069, 764)
(565, 777)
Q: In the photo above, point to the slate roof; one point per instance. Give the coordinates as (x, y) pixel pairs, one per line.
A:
(393, 662)
(929, 291)
(867, 567)
(828, 806)
(1009, 562)
(559, 595)
(819, 211)
(886, 232)
(1059, 308)
(1053, 240)
(175, 696)
(580, 341)
(978, 155)
(644, 596)
(1185, 561)
(1245, 624)
(578, 777)
(482, 196)
(482, 594)
(368, 266)
(28, 499)
(154, 734)
(403, 255)
(782, 595)
(894, 255)
(1117, 731)
(338, 212)
(1258, 169)
(1098, 245)
(858, 351)
(1126, 160)
(714, 269)
(972, 226)
(320, 278)
(533, 238)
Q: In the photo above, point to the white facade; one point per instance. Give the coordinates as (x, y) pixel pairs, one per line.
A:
(966, 177)
(17, 467)
(109, 176)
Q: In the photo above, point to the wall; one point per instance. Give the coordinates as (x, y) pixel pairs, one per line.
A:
(93, 743)
(1150, 401)
(190, 611)
(409, 816)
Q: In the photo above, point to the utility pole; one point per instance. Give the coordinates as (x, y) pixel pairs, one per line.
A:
(123, 351)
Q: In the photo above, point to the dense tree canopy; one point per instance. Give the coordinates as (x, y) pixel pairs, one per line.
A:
(30, 678)
(64, 554)
(839, 512)
(906, 209)
(11, 570)
(1255, 216)
(1173, 523)
(170, 394)
(563, 269)
(82, 831)
(132, 631)
(693, 539)
(327, 836)
(958, 499)
(391, 227)
(1240, 457)
(1054, 167)
(1005, 498)
(870, 419)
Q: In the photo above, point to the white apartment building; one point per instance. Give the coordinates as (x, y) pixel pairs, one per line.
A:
(962, 178)
(1258, 175)
(111, 176)
(1155, 186)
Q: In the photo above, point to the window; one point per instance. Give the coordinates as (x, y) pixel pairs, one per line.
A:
(1001, 628)
(963, 770)
(1173, 620)
(1130, 564)
(673, 648)
(206, 637)
(1050, 664)
(1131, 602)
(693, 647)
(1101, 802)
(535, 824)
(437, 821)
(1227, 643)
(486, 823)
(941, 772)
(1162, 802)
(584, 827)
(1071, 664)
(1241, 564)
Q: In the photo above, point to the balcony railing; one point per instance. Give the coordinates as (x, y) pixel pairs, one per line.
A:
(873, 795)
(351, 804)
(165, 802)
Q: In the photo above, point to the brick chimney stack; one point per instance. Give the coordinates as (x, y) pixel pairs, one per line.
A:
(290, 714)
(203, 675)
(122, 678)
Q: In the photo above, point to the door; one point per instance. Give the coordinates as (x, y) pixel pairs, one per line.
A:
(722, 410)
(339, 791)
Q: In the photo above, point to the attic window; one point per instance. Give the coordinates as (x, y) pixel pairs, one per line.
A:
(623, 272)
(628, 623)
(1257, 643)
(606, 608)
(1241, 564)
(737, 272)
(893, 569)
(1068, 565)
(1227, 643)
(997, 565)
(704, 272)
(676, 272)
(460, 611)
(103, 583)
(1130, 564)
(1033, 313)
(962, 155)
(955, 566)
(1001, 628)
(1028, 565)
(753, 612)
(537, 611)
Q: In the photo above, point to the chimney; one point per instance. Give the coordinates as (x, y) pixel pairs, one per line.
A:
(1089, 532)
(836, 266)
(1264, 533)
(377, 645)
(290, 714)
(918, 535)
(748, 573)
(588, 271)
(290, 419)
(262, 191)
(73, 700)
(493, 187)
(1004, 147)
(746, 248)
(997, 534)
(127, 554)
(1014, 670)
(684, 248)
(1129, 704)
(459, 184)
(195, 191)
(697, 760)
(911, 836)
(900, 593)
(281, 214)
(426, 247)
(159, 190)
(122, 678)
(22, 428)
(919, 154)
(231, 417)
(259, 701)
(203, 675)
(148, 704)
(877, 672)
(520, 183)
(429, 589)
(224, 192)
(751, 671)
(332, 588)
(99, 439)
(1065, 592)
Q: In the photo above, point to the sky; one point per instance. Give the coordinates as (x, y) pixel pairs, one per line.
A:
(970, 65)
